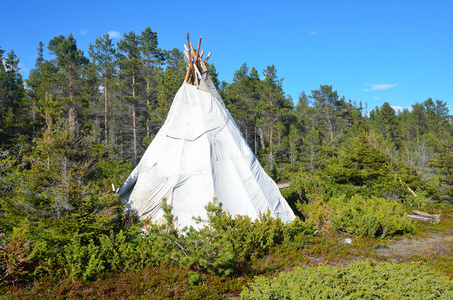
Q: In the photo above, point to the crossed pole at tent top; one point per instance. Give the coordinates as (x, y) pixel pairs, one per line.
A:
(195, 63)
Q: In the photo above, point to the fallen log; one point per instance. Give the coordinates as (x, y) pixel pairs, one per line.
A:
(282, 185)
(422, 216)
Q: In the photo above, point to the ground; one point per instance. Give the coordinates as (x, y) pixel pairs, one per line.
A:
(434, 243)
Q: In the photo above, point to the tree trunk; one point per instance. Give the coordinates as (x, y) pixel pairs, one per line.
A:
(70, 87)
(271, 132)
(330, 129)
(134, 131)
(256, 145)
(34, 117)
(312, 156)
(148, 96)
(71, 96)
(105, 107)
(261, 134)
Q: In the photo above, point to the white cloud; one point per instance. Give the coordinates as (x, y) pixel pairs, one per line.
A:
(378, 87)
(83, 32)
(23, 68)
(398, 108)
(377, 98)
(313, 33)
(114, 34)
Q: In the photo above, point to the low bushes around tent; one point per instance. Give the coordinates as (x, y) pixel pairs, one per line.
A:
(364, 217)
(117, 263)
(360, 280)
(225, 245)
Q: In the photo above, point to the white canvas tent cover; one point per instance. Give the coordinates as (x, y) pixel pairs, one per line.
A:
(198, 154)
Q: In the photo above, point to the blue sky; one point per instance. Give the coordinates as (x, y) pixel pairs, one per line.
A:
(369, 51)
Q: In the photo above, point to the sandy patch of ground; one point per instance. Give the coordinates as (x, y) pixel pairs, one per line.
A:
(432, 244)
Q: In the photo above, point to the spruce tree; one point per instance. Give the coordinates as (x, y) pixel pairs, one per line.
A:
(12, 97)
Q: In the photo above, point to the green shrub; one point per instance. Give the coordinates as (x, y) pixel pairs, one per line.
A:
(90, 246)
(16, 259)
(87, 259)
(318, 215)
(371, 217)
(223, 244)
(360, 280)
(250, 238)
(364, 217)
(298, 228)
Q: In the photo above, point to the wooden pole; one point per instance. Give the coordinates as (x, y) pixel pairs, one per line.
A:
(191, 71)
(207, 57)
(186, 55)
(195, 64)
(186, 79)
(196, 69)
(198, 48)
(193, 51)
(203, 66)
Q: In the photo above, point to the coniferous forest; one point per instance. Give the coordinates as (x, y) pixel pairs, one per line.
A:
(73, 130)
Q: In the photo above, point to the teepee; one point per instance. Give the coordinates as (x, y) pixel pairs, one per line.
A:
(198, 154)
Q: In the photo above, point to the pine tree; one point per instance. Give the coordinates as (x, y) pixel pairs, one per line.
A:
(419, 124)
(311, 149)
(272, 94)
(243, 101)
(152, 59)
(168, 81)
(257, 104)
(325, 101)
(70, 61)
(130, 63)
(103, 54)
(303, 112)
(292, 144)
(384, 121)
